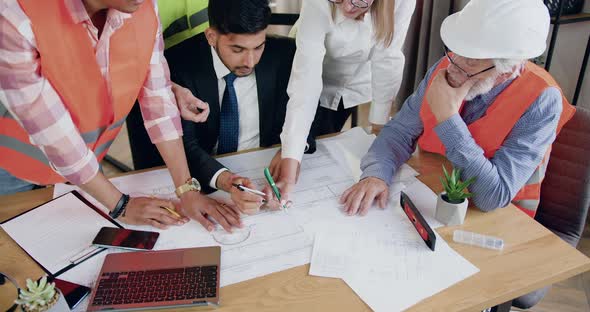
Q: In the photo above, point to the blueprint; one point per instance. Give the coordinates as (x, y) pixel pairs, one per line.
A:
(277, 240)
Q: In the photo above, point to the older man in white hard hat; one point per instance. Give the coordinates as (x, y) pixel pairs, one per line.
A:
(492, 113)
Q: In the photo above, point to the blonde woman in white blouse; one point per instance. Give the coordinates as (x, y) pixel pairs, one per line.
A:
(348, 53)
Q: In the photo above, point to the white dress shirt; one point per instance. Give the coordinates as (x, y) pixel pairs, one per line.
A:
(339, 58)
(247, 94)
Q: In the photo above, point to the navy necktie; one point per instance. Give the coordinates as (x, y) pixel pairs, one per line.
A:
(229, 125)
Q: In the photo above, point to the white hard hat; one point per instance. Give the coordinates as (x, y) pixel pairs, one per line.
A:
(492, 29)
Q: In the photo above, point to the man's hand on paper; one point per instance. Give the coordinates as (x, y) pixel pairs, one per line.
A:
(145, 210)
(199, 208)
(360, 197)
(191, 108)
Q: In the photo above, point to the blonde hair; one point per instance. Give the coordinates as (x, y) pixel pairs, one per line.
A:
(383, 14)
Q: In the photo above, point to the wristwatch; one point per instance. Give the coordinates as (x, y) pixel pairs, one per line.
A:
(191, 185)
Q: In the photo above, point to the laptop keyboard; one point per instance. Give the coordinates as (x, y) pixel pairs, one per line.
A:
(157, 285)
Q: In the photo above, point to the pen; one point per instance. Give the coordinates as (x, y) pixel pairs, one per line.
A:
(275, 190)
(172, 212)
(249, 190)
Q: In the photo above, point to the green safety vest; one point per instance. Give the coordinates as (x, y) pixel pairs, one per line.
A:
(182, 19)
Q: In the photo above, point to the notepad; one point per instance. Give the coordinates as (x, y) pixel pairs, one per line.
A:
(53, 242)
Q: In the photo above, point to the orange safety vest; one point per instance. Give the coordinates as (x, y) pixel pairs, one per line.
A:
(490, 131)
(69, 63)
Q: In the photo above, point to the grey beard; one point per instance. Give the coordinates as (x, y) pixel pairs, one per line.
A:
(481, 87)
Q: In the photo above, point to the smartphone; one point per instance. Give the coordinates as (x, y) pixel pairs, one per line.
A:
(424, 230)
(73, 293)
(125, 239)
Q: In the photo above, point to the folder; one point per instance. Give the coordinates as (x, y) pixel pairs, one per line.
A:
(58, 234)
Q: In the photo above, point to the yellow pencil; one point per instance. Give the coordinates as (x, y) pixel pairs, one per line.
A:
(174, 213)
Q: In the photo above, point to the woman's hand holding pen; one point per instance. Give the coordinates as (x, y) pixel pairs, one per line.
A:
(244, 194)
(286, 174)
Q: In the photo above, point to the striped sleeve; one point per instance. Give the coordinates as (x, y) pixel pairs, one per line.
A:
(158, 104)
(33, 102)
(500, 178)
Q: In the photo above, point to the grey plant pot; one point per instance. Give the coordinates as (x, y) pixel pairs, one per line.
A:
(450, 214)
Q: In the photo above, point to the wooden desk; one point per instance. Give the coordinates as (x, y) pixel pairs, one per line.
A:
(533, 257)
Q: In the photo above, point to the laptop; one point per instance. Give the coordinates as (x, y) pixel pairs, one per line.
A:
(158, 279)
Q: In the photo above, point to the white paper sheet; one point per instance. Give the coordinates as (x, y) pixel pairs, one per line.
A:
(350, 158)
(382, 294)
(396, 253)
(390, 270)
(348, 149)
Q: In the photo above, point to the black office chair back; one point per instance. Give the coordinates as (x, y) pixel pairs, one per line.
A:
(565, 192)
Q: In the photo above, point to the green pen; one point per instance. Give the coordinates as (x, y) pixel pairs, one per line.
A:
(275, 190)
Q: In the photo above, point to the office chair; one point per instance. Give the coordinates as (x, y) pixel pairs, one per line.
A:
(565, 192)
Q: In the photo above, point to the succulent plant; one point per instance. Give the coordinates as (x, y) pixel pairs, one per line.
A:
(39, 296)
(454, 188)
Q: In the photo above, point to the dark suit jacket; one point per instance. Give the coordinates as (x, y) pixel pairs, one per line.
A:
(191, 66)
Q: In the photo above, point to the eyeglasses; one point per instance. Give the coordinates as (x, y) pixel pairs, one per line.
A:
(361, 4)
(468, 75)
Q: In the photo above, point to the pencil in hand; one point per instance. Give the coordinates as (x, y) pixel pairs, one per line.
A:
(172, 212)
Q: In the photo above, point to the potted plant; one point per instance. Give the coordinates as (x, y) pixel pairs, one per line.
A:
(451, 205)
(41, 296)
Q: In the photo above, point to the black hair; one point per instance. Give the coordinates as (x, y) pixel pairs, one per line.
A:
(239, 16)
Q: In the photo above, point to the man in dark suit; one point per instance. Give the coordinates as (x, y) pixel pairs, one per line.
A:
(242, 74)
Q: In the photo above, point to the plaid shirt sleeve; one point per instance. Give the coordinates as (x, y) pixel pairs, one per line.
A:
(34, 103)
(158, 104)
